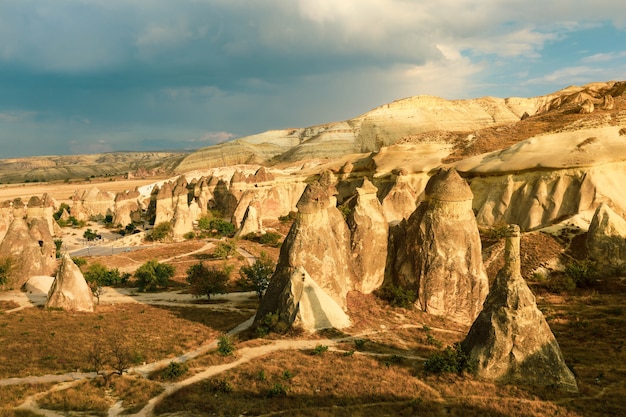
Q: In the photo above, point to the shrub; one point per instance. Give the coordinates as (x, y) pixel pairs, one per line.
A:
(58, 245)
(272, 239)
(153, 275)
(174, 370)
(451, 360)
(224, 249)
(90, 235)
(221, 385)
(359, 343)
(57, 214)
(320, 349)
(496, 232)
(397, 296)
(161, 231)
(79, 261)
(222, 227)
(258, 274)
(278, 390)
(189, 235)
(583, 273)
(225, 346)
(204, 223)
(289, 217)
(5, 269)
(102, 276)
(206, 281)
(560, 282)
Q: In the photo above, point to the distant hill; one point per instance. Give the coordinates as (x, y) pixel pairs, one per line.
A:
(59, 167)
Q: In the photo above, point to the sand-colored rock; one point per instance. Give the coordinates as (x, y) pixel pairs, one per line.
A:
(30, 248)
(369, 233)
(438, 251)
(126, 208)
(304, 304)
(606, 239)
(96, 202)
(319, 241)
(69, 290)
(511, 341)
(251, 222)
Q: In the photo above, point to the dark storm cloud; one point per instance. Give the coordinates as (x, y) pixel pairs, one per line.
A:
(80, 75)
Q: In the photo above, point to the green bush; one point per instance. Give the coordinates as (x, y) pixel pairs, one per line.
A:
(161, 231)
(583, 273)
(272, 239)
(189, 235)
(58, 245)
(174, 371)
(278, 390)
(5, 269)
(225, 346)
(451, 360)
(153, 275)
(320, 349)
(359, 343)
(397, 296)
(289, 217)
(57, 214)
(222, 227)
(102, 276)
(224, 249)
(221, 385)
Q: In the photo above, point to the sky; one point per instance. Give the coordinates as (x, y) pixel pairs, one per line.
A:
(90, 76)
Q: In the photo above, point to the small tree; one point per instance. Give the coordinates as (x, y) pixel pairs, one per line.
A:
(206, 281)
(57, 214)
(5, 269)
(153, 275)
(90, 235)
(224, 249)
(204, 223)
(258, 274)
(58, 244)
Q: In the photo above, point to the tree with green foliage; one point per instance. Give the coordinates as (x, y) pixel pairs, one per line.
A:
(206, 280)
(224, 250)
(222, 227)
(258, 274)
(103, 276)
(90, 235)
(153, 275)
(204, 223)
(5, 269)
(58, 245)
(161, 231)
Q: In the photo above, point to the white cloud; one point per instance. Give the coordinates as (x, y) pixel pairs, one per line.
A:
(16, 116)
(604, 57)
(213, 137)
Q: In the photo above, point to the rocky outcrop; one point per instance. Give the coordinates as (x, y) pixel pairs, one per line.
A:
(30, 249)
(251, 222)
(511, 341)
(401, 200)
(182, 220)
(96, 202)
(304, 304)
(127, 208)
(369, 235)
(164, 205)
(606, 239)
(438, 251)
(319, 241)
(69, 290)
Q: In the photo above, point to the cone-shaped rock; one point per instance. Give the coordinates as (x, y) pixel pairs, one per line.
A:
(319, 242)
(511, 341)
(439, 251)
(69, 290)
(30, 249)
(304, 304)
(606, 240)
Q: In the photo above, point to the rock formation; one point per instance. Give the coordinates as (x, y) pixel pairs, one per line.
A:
(304, 304)
(319, 241)
(606, 239)
(511, 341)
(369, 235)
(96, 202)
(251, 222)
(438, 251)
(127, 208)
(401, 200)
(69, 290)
(30, 248)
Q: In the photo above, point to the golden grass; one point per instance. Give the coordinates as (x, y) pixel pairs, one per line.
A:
(13, 395)
(134, 391)
(7, 305)
(84, 396)
(37, 341)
